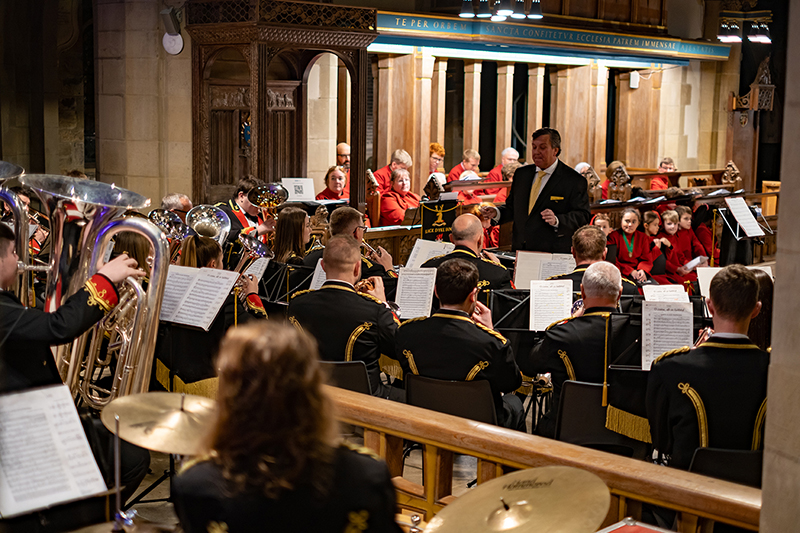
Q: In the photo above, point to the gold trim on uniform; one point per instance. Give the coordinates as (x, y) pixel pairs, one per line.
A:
(731, 346)
(410, 320)
(456, 317)
(298, 293)
(702, 420)
(293, 321)
(475, 369)
(483, 283)
(676, 351)
(567, 363)
(491, 332)
(362, 450)
(96, 296)
(357, 521)
(628, 424)
(217, 527)
(348, 289)
(759, 426)
(348, 352)
(411, 363)
(493, 263)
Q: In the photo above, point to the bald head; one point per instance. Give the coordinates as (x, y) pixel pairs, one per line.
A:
(467, 231)
(343, 155)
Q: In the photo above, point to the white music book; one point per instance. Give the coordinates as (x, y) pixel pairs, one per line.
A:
(691, 265)
(706, 274)
(665, 293)
(45, 458)
(665, 326)
(540, 266)
(550, 302)
(415, 291)
(258, 267)
(319, 276)
(424, 250)
(194, 296)
(741, 212)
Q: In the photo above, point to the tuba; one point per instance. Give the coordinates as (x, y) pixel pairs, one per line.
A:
(209, 221)
(84, 217)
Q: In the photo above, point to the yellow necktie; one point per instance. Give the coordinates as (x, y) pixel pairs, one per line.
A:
(537, 183)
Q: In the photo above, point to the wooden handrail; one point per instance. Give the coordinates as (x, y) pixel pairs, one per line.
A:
(694, 496)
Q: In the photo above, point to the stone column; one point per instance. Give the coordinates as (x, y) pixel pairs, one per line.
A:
(383, 138)
(343, 120)
(423, 74)
(598, 99)
(536, 83)
(321, 118)
(472, 104)
(505, 104)
(438, 84)
(781, 477)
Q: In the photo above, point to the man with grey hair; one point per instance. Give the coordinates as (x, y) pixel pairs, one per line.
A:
(576, 348)
(509, 155)
(178, 203)
(467, 235)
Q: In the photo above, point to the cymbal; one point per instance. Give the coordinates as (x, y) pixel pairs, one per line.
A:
(549, 499)
(155, 421)
(139, 526)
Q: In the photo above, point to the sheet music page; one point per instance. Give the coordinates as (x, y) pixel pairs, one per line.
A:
(205, 297)
(704, 277)
(551, 301)
(741, 212)
(45, 458)
(691, 265)
(319, 276)
(559, 264)
(527, 267)
(179, 280)
(665, 326)
(415, 291)
(424, 250)
(258, 267)
(665, 293)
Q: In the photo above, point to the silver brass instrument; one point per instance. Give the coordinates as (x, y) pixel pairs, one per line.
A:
(19, 211)
(209, 221)
(268, 197)
(369, 248)
(252, 249)
(174, 228)
(84, 217)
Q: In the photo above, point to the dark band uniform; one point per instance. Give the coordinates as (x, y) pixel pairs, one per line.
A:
(360, 497)
(578, 349)
(712, 396)
(450, 345)
(232, 249)
(491, 275)
(368, 269)
(629, 288)
(348, 326)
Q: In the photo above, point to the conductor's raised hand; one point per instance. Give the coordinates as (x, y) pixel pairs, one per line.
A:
(120, 268)
(488, 211)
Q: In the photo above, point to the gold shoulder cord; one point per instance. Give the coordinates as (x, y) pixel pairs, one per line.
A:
(760, 418)
(702, 420)
(411, 363)
(351, 342)
(567, 363)
(475, 369)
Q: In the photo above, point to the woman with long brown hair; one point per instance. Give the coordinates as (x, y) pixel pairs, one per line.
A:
(292, 233)
(273, 460)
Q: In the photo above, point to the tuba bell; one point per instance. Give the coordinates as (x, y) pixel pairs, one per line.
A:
(209, 221)
(84, 217)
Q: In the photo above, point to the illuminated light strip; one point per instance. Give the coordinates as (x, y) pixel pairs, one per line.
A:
(457, 53)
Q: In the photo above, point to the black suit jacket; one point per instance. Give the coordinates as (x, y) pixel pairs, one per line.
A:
(565, 193)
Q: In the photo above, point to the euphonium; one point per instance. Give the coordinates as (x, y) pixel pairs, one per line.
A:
(83, 220)
(209, 221)
(268, 197)
(252, 249)
(174, 228)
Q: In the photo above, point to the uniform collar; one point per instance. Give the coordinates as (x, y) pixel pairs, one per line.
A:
(337, 284)
(592, 310)
(452, 313)
(464, 250)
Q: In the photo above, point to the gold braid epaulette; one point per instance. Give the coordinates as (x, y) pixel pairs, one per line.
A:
(195, 460)
(298, 293)
(495, 263)
(96, 296)
(436, 257)
(492, 332)
(360, 449)
(558, 322)
(255, 309)
(676, 351)
(417, 319)
(370, 297)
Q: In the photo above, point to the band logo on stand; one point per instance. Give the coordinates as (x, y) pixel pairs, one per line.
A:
(437, 219)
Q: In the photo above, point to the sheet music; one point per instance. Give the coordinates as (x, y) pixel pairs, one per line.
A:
(706, 274)
(527, 267)
(415, 291)
(665, 326)
(424, 250)
(179, 279)
(319, 276)
(550, 302)
(258, 267)
(741, 212)
(45, 458)
(557, 265)
(691, 265)
(665, 293)
(200, 299)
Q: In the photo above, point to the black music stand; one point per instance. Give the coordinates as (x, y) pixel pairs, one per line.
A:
(735, 247)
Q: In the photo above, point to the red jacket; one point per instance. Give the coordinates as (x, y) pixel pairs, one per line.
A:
(640, 257)
(455, 172)
(393, 207)
(384, 178)
(491, 237)
(328, 194)
(502, 195)
(659, 183)
(495, 174)
(703, 234)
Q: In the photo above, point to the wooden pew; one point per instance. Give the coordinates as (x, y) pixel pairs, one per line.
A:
(698, 500)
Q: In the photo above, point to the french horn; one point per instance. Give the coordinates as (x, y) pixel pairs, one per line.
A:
(209, 221)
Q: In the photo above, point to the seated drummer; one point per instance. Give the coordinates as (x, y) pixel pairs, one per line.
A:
(275, 461)
(588, 248)
(468, 235)
(245, 218)
(458, 342)
(26, 335)
(714, 395)
(398, 199)
(575, 348)
(348, 325)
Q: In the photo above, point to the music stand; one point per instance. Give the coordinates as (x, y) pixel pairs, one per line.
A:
(736, 246)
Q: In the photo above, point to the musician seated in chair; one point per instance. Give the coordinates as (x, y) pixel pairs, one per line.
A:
(458, 342)
(274, 460)
(26, 335)
(245, 218)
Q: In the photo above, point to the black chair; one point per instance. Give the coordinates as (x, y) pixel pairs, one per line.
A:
(349, 375)
(467, 399)
(737, 466)
(659, 265)
(582, 421)
(611, 253)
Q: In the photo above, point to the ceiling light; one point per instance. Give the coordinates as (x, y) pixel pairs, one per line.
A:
(467, 10)
(536, 10)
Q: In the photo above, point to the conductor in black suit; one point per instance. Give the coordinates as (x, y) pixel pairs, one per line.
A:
(547, 202)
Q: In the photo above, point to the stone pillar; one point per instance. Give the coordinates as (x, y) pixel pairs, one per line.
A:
(343, 120)
(438, 85)
(505, 104)
(423, 74)
(383, 139)
(598, 116)
(321, 118)
(472, 104)
(781, 477)
(536, 83)
(638, 116)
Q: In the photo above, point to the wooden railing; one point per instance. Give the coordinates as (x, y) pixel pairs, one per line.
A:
(698, 500)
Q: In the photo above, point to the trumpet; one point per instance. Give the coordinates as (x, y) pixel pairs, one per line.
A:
(365, 285)
(369, 248)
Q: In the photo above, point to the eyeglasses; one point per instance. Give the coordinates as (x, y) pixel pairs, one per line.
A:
(362, 228)
(437, 158)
